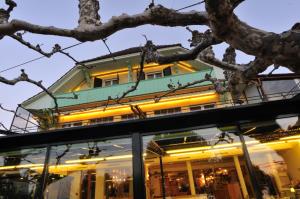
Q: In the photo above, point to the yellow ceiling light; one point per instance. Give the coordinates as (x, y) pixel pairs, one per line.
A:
(84, 160)
(188, 149)
(145, 106)
(291, 137)
(22, 166)
(202, 151)
(228, 145)
(120, 71)
(118, 157)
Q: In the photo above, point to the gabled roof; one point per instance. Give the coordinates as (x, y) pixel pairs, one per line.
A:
(73, 70)
(126, 52)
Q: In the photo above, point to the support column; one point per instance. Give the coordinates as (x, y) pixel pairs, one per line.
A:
(191, 178)
(274, 172)
(99, 188)
(130, 78)
(240, 176)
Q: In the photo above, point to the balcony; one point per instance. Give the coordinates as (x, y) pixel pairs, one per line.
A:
(145, 87)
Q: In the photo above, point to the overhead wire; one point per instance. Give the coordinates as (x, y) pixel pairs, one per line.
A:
(71, 46)
(38, 58)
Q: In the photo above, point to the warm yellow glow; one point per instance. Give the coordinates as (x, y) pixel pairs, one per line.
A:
(202, 151)
(84, 160)
(22, 166)
(187, 68)
(291, 137)
(145, 106)
(252, 142)
(228, 145)
(118, 157)
(252, 129)
(205, 148)
(119, 71)
(189, 149)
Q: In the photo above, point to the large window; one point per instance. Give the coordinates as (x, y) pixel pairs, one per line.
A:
(111, 82)
(90, 171)
(203, 163)
(20, 173)
(274, 149)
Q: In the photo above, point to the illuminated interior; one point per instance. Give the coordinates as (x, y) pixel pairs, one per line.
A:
(201, 163)
(168, 102)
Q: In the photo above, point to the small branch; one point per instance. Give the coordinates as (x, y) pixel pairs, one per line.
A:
(11, 5)
(139, 77)
(3, 126)
(5, 109)
(104, 41)
(200, 40)
(37, 48)
(24, 78)
(217, 83)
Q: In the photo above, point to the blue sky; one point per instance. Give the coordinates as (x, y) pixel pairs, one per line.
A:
(271, 15)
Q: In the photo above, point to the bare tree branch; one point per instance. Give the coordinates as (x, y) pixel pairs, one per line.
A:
(36, 48)
(3, 126)
(139, 75)
(7, 110)
(218, 84)
(157, 15)
(24, 78)
(280, 49)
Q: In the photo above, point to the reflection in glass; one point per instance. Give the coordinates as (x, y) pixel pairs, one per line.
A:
(274, 148)
(91, 170)
(203, 163)
(20, 173)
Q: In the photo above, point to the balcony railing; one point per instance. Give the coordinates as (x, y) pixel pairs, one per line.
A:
(145, 87)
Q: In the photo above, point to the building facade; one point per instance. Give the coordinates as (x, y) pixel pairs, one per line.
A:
(192, 144)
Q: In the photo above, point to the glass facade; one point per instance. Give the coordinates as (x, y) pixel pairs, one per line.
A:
(20, 173)
(247, 160)
(202, 163)
(274, 149)
(90, 170)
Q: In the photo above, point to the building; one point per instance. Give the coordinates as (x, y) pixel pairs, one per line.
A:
(208, 149)
(82, 93)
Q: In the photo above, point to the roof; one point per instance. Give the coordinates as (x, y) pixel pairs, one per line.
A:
(126, 52)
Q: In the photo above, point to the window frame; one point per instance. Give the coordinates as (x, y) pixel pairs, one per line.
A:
(154, 75)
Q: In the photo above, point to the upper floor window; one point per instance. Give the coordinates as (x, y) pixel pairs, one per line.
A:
(167, 111)
(102, 120)
(110, 82)
(154, 75)
(128, 117)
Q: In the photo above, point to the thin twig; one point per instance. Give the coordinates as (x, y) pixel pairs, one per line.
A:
(24, 78)
(5, 109)
(139, 77)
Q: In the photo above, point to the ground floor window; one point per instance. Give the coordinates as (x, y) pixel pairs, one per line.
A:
(204, 163)
(20, 173)
(90, 170)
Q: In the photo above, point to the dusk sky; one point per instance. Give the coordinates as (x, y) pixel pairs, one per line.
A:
(271, 15)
